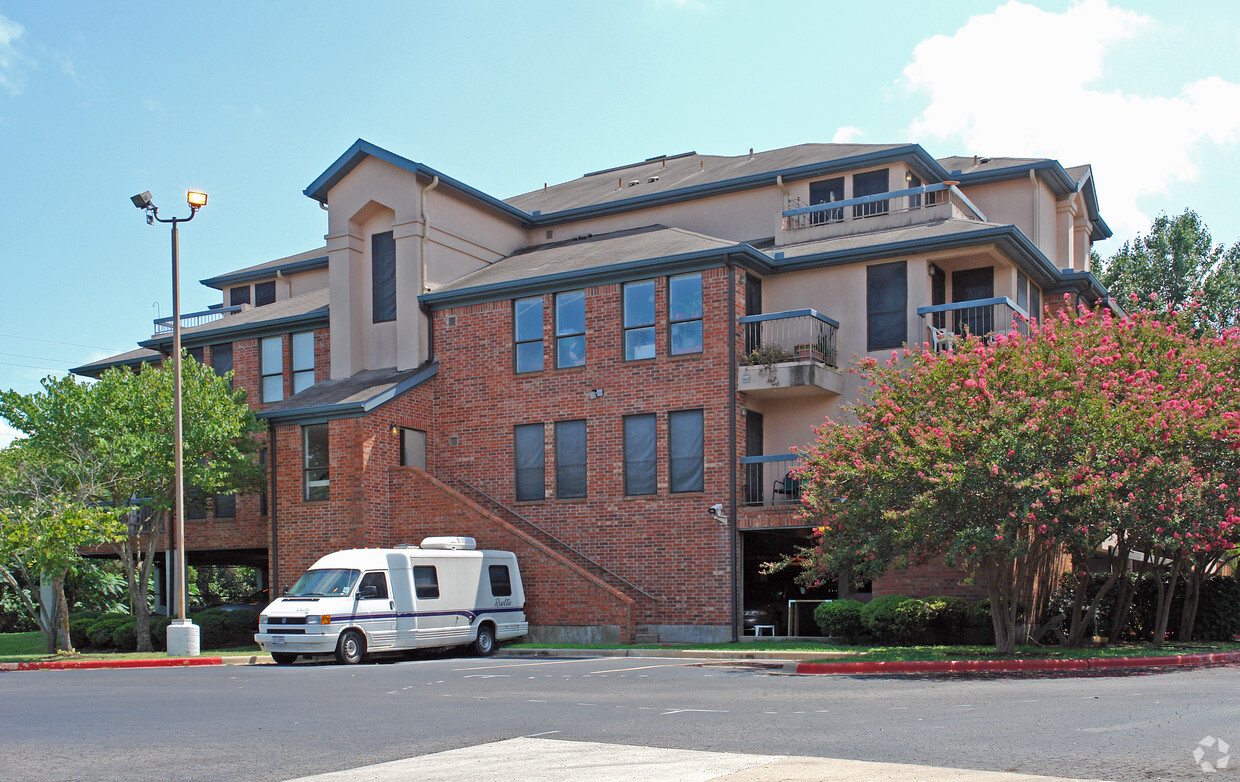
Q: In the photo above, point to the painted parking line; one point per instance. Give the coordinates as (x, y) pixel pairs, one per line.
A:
(593, 660)
(644, 667)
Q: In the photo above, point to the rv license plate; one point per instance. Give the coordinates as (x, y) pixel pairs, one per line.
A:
(277, 640)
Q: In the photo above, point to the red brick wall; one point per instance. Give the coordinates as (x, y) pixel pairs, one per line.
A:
(933, 579)
(664, 543)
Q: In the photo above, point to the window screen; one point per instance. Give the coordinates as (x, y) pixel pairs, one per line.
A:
(225, 506)
(240, 295)
(413, 448)
(684, 307)
(425, 582)
(570, 459)
(383, 277)
(195, 353)
(529, 459)
(527, 327)
(501, 582)
(640, 464)
(870, 183)
(273, 368)
(264, 293)
(686, 448)
(222, 358)
(639, 320)
(303, 361)
(316, 462)
(886, 296)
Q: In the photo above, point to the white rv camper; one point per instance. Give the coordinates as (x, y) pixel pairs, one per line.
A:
(441, 593)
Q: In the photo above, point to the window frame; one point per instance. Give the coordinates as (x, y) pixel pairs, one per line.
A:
(309, 484)
(383, 305)
(699, 457)
(426, 590)
(225, 348)
(504, 583)
(263, 287)
(264, 370)
(870, 314)
(562, 336)
(673, 321)
(649, 467)
(632, 328)
(541, 468)
(517, 342)
(303, 370)
(567, 429)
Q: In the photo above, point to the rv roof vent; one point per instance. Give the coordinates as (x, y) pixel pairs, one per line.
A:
(634, 182)
(653, 179)
(450, 544)
(405, 545)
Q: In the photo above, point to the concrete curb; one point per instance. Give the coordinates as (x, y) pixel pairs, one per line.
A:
(60, 665)
(1016, 666)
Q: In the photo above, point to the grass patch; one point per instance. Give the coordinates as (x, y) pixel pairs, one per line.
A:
(30, 647)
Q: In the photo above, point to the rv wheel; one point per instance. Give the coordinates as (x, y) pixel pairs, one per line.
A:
(484, 644)
(283, 658)
(350, 648)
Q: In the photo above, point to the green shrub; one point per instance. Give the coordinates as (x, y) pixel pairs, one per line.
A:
(79, 629)
(911, 621)
(99, 634)
(159, 632)
(125, 637)
(841, 618)
(1218, 610)
(880, 618)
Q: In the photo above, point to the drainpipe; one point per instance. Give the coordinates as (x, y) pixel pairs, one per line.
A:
(289, 283)
(1037, 209)
(779, 182)
(426, 229)
(273, 566)
(735, 532)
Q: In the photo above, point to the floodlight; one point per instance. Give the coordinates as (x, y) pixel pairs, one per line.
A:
(142, 200)
(196, 199)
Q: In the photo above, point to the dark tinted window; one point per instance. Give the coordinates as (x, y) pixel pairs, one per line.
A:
(570, 459)
(383, 276)
(501, 582)
(264, 293)
(222, 358)
(686, 450)
(376, 580)
(870, 183)
(317, 477)
(239, 295)
(826, 191)
(425, 582)
(886, 297)
(225, 506)
(195, 353)
(530, 461)
(640, 464)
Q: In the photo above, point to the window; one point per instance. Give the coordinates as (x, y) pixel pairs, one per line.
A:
(501, 582)
(262, 496)
(222, 359)
(570, 459)
(264, 293)
(412, 448)
(1035, 302)
(870, 183)
(824, 192)
(570, 329)
(684, 310)
(425, 582)
(238, 296)
(383, 277)
(527, 326)
(225, 506)
(195, 353)
(886, 298)
(529, 459)
(911, 180)
(317, 462)
(376, 580)
(640, 458)
(303, 361)
(639, 320)
(686, 448)
(273, 368)
(195, 503)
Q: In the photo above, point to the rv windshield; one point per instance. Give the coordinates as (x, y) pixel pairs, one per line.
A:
(328, 582)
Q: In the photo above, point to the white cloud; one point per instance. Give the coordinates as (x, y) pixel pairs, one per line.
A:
(1024, 82)
(11, 61)
(847, 135)
(8, 434)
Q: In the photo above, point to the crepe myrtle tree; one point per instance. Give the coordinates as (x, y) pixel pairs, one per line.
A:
(1058, 438)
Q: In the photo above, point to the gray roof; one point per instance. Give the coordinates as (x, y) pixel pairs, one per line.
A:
(655, 241)
(968, 164)
(349, 396)
(306, 307)
(126, 359)
(676, 172)
(310, 259)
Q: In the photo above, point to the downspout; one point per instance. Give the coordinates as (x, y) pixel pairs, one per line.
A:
(273, 583)
(735, 532)
(1037, 210)
(289, 283)
(426, 229)
(779, 182)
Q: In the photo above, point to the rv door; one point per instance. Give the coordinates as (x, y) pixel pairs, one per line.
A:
(375, 611)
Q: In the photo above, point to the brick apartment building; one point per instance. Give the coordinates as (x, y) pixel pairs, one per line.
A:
(581, 372)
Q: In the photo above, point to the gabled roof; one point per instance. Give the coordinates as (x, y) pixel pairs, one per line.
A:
(305, 311)
(310, 259)
(348, 397)
(130, 358)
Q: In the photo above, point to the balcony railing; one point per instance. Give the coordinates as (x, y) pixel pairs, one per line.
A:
(191, 319)
(800, 215)
(948, 323)
(767, 480)
(796, 335)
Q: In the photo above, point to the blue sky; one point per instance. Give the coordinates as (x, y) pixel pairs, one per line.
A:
(251, 101)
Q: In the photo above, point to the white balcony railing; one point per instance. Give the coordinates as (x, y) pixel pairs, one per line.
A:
(946, 324)
(800, 215)
(191, 319)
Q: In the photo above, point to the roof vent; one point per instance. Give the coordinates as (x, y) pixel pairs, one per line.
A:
(405, 545)
(779, 255)
(581, 238)
(449, 544)
(633, 182)
(653, 179)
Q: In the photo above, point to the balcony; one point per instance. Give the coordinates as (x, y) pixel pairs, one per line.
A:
(877, 212)
(947, 324)
(191, 319)
(789, 353)
(768, 482)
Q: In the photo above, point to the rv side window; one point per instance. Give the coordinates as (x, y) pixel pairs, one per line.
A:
(501, 584)
(425, 582)
(377, 581)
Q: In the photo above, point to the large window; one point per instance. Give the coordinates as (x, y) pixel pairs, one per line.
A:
(383, 277)
(527, 332)
(225, 506)
(886, 299)
(570, 329)
(222, 358)
(413, 448)
(239, 295)
(685, 446)
(272, 362)
(303, 361)
(316, 462)
(425, 582)
(640, 457)
(264, 293)
(501, 581)
(826, 191)
(870, 183)
(262, 495)
(529, 459)
(639, 320)
(570, 459)
(684, 313)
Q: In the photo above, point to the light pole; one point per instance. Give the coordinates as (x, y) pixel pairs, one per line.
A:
(182, 634)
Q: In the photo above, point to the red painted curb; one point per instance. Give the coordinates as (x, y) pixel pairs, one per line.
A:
(171, 662)
(968, 666)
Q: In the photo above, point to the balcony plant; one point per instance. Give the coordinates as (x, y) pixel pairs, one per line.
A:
(765, 358)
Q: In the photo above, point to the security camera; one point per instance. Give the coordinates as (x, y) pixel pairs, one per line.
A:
(715, 511)
(142, 200)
